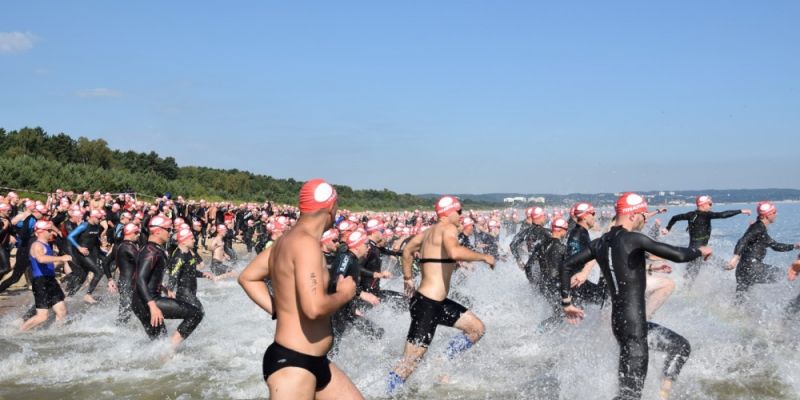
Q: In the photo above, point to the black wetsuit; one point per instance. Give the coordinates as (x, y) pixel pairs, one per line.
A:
(346, 264)
(551, 255)
(150, 268)
(463, 240)
(621, 257)
(126, 255)
(699, 229)
(372, 264)
(531, 236)
(22, 261)
(489, 242)
(87, 235)
(752, 248)
(577, 240)
(183, 276)
(227, 242)
(5, 252)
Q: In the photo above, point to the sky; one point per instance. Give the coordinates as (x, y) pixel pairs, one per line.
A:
(422, 96)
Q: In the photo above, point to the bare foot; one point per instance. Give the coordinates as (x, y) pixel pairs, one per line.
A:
(89, 299)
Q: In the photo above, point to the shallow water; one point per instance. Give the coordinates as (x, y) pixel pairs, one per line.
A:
(737, 353)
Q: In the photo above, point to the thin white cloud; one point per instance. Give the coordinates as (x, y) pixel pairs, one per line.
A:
(14, 42)
(98, 92)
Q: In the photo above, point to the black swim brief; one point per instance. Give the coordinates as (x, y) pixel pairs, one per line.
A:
(277, 357)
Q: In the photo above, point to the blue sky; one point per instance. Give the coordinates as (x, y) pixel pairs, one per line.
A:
(446, 96)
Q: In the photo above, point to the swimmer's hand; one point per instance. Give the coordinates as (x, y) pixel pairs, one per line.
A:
(578, 279)
(574, 314)
(170, 294)
(732, 263)
(112, 286)
(83, 250)
(386, 275)
(520, 265)
(208, 276)
(706, 252)
(408, 287)
(156, 316)
(370, 298)
(489, 259)
(664, 231)
(66, 258)
(347, 286)
(746, 211)
(792, 275)
(665, 268)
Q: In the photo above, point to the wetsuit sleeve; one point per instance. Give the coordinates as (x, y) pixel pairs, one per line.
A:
(516, 244)
(663, 250)
(143, 271)
(75, 233)
(572, 263)
(59, 218)
(174, 272)
(782, 247)
(725, 214)
(748, 237)
(389, 252)
(676, 218)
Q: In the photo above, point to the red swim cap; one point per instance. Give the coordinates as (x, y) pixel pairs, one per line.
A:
(131, 229)
(5, 207)
(160, 222)
(766, 208)
(222, 228)
(704, 199)
(184, 235)
(559, 223)
(467, 221)
(582, 209)
(329, 235)
(374, 225)
(356, 238)
(316, 194)
(630, 203)
(126, 215)
(537, 212)
(446, 205)
(95, 214)
(345, 226)
(42, 226)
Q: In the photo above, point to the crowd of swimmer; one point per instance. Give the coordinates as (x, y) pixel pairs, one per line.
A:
(148, 252)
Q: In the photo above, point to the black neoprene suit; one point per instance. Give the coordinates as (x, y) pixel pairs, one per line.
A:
(150, 268)
(126, 254)
(621, 256)
(752, 248)
(531, 236)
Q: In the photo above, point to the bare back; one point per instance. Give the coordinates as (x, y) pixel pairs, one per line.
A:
(294, 330)
(436, 275)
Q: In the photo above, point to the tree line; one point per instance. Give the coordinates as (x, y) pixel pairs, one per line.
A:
(32, 159)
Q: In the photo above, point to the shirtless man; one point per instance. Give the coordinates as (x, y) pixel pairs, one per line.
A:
(218, 255)
(296, 364)
(429, 306)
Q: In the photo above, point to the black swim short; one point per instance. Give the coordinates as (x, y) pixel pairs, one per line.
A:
(426, 314)
(277, 357)
(46, 292)
(218, 268)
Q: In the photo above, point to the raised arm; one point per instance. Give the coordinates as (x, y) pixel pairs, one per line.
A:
(669, 252)
(676, 218)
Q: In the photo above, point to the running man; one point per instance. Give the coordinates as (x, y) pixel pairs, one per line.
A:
(429, 306)
(47, 293)
(750, 250)
(621, 256)
(699, 229)
(296, 365)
